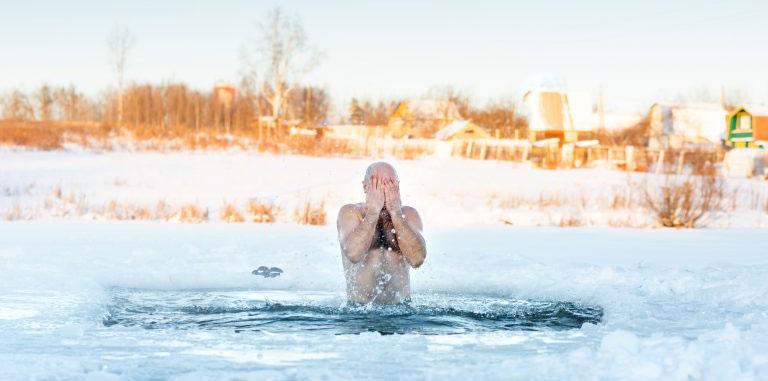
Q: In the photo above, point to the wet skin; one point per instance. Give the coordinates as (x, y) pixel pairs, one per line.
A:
(380, 241)
(382, 275)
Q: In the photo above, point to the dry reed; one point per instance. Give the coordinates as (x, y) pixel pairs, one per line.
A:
(310, 213)
(260, 212)
(229, 213)
(192, 213)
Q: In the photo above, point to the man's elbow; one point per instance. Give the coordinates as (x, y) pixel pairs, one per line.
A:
(353, 257)
(418, 261)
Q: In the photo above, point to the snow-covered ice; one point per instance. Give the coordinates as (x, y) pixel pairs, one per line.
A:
(677, 304)
(447, 192)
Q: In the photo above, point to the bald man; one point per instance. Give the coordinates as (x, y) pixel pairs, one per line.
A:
(380, 241)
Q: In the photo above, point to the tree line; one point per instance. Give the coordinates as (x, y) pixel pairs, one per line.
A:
(271, 85)
(170, 105)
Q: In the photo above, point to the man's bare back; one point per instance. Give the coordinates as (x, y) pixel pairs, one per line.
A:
(380, 240)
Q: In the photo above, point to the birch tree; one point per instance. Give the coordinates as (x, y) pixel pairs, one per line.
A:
(282, 56)
(120, 43)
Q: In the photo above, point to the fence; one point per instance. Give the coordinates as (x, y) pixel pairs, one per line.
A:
(547, 155)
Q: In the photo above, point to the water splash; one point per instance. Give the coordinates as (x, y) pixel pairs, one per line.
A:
(285, 312)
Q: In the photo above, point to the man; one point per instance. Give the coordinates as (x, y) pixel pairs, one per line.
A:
(380, 239)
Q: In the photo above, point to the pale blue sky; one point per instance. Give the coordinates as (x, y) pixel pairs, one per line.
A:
(638, 51)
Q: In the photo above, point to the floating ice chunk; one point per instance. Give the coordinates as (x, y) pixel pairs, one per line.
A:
(267, 272)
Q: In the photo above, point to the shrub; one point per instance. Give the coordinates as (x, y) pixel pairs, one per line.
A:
(684, 201)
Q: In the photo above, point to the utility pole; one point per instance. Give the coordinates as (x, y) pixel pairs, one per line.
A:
(601, 108)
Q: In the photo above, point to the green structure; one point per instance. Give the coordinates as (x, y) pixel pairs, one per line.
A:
(748, 127)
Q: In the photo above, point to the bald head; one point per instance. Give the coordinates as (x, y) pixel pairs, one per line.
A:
(382, 169)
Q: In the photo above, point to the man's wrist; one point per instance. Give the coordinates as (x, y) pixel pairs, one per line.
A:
(397, 215)
(371, 214)
(396, 210)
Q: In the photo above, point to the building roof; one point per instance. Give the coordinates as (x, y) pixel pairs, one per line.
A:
(755, 110)
(453, 128)
(691, 106)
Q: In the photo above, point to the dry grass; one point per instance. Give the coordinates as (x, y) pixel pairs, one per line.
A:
(192, 213)
(14, 214)
(47, 135)
(622, 197)
(507, 202)
(260, 212)
(230, 213)
(114, 210)
(550, 200)
(570, 221)
(310, 213)
(164, 211)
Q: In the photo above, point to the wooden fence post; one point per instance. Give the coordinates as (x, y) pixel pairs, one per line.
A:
(680, 161)
(629, 158)
(660, 162)
(610, 157)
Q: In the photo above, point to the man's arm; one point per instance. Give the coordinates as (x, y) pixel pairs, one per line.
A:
(408, 228)
(355, 236)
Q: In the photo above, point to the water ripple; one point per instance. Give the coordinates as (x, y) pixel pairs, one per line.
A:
(294, 312)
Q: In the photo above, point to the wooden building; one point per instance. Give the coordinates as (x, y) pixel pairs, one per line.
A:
(566, 116)
(684, 125)
(421, 118)
(748, 127)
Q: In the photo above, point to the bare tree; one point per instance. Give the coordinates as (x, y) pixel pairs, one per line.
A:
(120, 43)
(500, 116)
(283, 55)
(70, 103)
(451, 99)
(18, 107)
(45, 99)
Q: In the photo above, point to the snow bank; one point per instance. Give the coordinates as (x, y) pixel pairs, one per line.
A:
(447, 192)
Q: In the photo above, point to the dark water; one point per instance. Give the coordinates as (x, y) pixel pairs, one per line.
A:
(244, 311)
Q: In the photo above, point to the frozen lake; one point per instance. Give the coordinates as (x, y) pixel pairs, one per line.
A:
(155, 300)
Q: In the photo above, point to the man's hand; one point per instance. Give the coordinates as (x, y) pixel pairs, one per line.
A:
(392, 197)
(374, 197)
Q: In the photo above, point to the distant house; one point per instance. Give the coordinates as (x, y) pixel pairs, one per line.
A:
(422, 117)
(225, 93)
(748, 127)
(462, 129)
(681, 125)
(558, 114)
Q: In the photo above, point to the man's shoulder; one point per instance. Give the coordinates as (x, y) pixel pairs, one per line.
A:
(411, 215)
(349, 210)
(409, 210)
